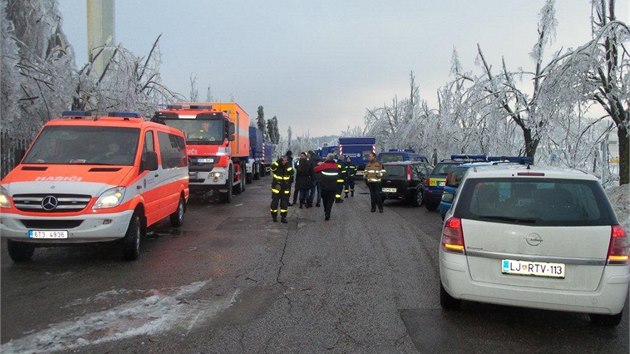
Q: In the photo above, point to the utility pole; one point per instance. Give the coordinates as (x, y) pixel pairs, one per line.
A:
(100, 22)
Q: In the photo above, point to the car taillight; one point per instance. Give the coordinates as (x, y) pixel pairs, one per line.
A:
(409, 173)
(427, 181)
(619, 249)
(453, 236)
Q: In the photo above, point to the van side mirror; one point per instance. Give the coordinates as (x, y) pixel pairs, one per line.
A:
(149, 161)
(231, 132)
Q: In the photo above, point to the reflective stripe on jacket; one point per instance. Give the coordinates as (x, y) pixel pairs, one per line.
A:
(374, 171)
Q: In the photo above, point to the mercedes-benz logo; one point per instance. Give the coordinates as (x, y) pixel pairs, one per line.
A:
(533, 239)
(49, 203)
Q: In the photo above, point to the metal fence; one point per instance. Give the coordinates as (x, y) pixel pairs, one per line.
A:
(10, 148)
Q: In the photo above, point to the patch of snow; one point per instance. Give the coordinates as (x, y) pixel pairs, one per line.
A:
(159, 312)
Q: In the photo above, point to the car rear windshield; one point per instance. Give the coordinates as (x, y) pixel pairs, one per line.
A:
(443, 168)
(395, 170)
(544, 202)
(391, 157)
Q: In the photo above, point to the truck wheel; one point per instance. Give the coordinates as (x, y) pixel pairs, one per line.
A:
(249, 178)
(244, 178)
(256, 171)
(238, 187)
(131, 241)
(226, 197)
(20, 251)
(177, 218)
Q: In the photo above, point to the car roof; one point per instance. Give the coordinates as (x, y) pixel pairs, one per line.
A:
(407, 162)
(516, 170)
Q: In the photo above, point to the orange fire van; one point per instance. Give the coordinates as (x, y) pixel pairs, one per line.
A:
(94, 179)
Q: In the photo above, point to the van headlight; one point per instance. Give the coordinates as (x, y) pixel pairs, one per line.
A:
(4, 198)
(110, 198)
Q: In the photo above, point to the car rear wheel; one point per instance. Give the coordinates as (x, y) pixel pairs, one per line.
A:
(20, 251)
(447, 301)
(177, 218)
(606, 320)
(430, 205)
(419, 197)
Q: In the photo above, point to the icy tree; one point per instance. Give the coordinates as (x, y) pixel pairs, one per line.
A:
(128, 83)
(38, 73)
(600, 70)
(260, 121)
(523, 108)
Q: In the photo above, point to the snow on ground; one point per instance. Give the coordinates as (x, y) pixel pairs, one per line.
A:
(159, 312)
(620, 199)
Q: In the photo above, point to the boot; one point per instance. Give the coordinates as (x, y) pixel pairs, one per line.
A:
(301, 205)
(283, 220)
(352, 194)
(274, 217)
(346, 195)
(317, 205)
(327, 217)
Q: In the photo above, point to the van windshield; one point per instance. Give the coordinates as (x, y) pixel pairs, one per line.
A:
(94, 145)
(200, 132)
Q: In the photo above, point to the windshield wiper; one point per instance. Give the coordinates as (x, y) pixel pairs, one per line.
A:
(508, 218)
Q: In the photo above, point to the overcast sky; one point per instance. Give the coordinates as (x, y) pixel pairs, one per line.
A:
(318, 64)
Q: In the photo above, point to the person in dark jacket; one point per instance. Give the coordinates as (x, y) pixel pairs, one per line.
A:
(314, 160)
(303, 179)
(351, 171)
(282, 177)
(329, 171)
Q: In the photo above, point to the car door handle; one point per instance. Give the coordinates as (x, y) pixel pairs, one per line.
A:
(156, 175)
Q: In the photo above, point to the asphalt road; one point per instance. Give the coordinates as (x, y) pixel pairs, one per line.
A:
(230, 280)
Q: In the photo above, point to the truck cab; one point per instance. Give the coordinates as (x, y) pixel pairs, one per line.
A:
(217, 136)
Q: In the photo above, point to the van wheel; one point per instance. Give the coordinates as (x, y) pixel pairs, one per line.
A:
(131, 241)
(419, 197)
(606, 320)
(226, 197)
(447, 301)
(20, 251)
(177, 218)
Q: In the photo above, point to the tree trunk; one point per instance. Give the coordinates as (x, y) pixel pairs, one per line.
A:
(530, 144)
(624, 154)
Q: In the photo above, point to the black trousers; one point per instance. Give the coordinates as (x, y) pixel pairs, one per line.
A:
(328, 197)
(304, 194)
(282, 199)
(349, 187)
(375, 195)
(311, 195)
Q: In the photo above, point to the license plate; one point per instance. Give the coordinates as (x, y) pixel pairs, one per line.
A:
(45, 234)
(441, 184)
(537, 269)
(389, 190)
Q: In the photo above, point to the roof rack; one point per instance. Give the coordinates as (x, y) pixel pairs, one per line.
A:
(76, 114)
(480, 157)
(523, 160)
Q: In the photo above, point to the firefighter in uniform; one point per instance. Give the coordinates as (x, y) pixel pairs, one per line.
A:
(374, 171)
(282, 174)
(341, 180)
(351, 171)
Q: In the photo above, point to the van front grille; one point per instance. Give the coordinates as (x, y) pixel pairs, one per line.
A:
(51, 203)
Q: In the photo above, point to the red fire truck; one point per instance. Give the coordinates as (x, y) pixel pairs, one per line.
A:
(217, 139)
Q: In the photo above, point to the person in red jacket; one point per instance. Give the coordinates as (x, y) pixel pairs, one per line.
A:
(329, 173)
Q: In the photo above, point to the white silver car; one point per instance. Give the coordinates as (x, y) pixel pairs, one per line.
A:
(535, 237)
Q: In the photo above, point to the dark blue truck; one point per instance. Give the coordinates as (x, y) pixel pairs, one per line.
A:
(260, 155)
(357, 148)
